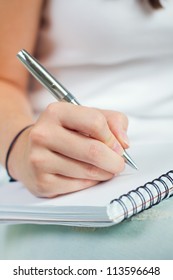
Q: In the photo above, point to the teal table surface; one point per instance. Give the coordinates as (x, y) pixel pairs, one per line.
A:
(148, 235)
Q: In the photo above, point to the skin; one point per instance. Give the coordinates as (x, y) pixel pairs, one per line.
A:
(69, 147)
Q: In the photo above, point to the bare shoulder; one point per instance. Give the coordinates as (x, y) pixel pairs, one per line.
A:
(19, 21)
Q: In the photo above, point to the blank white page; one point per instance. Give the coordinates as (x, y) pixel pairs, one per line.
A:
(153, 160)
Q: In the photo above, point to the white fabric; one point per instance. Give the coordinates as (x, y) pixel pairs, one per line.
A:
(115, 54)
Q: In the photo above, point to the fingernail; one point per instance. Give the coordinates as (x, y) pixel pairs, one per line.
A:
(125, 138)
(118, 149)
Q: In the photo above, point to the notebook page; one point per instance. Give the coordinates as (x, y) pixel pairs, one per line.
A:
(153, 160)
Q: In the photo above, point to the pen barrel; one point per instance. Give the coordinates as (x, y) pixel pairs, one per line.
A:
(70, 98)
(45, 78)
(62, 94)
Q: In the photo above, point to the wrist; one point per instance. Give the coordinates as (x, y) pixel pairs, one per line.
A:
(8, 162)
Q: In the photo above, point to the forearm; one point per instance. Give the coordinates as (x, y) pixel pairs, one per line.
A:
(15, 113)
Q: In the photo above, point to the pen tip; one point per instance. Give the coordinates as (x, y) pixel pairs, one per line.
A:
(129, 161)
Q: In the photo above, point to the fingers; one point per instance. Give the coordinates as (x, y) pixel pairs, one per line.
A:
(55, 174)
(46, 161)
(78, 147)
(73, 147)
(50, 185)
(85, 120)
(118, 124)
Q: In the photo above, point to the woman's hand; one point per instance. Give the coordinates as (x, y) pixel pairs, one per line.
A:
(68, 149)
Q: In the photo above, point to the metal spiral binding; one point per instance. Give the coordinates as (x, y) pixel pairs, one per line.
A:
(161, 189)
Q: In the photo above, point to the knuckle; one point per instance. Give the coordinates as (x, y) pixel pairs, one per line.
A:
(98, 122)
(55, 109)
(51, 109)
(94, 152)
(42, 186)
(92, 171)
(35, 161)
(37, 135)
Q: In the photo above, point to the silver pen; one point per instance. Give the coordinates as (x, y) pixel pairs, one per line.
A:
(55, 88)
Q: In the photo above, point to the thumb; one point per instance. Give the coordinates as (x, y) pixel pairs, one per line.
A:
(118, 124)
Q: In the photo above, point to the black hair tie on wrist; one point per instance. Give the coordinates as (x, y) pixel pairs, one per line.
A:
(10, 148)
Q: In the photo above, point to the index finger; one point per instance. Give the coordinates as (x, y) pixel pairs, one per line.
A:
(84, 120)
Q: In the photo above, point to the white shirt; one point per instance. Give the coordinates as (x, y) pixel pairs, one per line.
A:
(114, 54)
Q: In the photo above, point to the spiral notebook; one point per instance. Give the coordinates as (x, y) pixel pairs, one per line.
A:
(107, 203)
